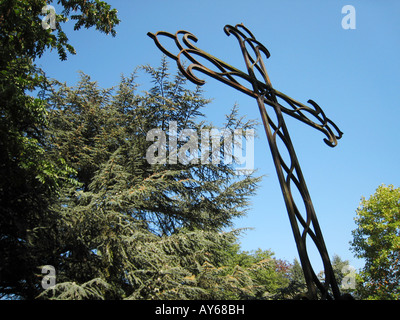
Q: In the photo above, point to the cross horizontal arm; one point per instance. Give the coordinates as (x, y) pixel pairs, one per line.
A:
(230, 75)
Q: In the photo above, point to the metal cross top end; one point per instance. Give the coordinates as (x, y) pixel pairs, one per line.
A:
(256, 83)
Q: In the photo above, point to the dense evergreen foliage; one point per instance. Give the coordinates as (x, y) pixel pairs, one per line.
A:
(141, 230)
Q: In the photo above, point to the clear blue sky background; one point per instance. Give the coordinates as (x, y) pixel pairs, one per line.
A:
(352, 74)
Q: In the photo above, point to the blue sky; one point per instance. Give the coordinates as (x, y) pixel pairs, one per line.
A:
(352, 74)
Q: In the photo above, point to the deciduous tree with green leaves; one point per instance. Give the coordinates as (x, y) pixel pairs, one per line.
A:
(30, 180)
(377, 241)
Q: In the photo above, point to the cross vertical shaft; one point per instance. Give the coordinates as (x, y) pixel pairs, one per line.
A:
(313, 284)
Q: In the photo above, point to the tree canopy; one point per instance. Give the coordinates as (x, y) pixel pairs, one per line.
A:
(30, 180)
(377, 241)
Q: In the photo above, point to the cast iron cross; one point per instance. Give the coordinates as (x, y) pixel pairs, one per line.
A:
(257, 84)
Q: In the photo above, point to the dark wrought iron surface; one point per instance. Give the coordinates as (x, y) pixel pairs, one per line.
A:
(256, 83)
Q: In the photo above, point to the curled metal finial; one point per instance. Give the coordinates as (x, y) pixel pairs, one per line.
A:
(302, 112)
(251, 62)
(223, 71)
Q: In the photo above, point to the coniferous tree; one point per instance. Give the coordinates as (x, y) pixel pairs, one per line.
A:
(133, 229)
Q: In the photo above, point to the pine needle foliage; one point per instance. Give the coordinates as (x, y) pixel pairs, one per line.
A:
(134, 230)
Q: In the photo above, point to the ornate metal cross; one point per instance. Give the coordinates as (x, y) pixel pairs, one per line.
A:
(257, 84)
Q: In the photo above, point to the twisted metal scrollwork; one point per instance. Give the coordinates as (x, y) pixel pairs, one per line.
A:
(256, 83)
